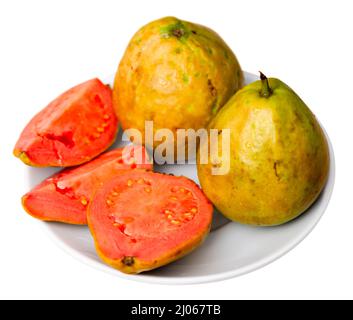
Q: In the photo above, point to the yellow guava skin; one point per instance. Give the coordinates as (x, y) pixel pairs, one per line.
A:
(279, 157)
(175, 73)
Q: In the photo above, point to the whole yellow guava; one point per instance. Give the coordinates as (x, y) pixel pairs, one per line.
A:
(278, 156)
(175, 73)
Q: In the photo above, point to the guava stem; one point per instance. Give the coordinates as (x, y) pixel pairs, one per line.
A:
(266, 90)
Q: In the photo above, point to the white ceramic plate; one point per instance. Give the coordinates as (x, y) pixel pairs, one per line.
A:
(230, 250)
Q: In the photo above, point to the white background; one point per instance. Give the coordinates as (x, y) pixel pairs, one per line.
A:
(48, 46)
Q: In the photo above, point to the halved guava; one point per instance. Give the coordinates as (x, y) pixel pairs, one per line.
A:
(65, 196)
(74, 128)
(143, 220)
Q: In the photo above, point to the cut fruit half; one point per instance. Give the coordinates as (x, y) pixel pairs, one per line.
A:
(74, 128)
(65, 196)
(143, 220)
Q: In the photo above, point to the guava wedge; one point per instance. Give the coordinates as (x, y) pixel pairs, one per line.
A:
(73, 129)
(143, 220)
(65, 196)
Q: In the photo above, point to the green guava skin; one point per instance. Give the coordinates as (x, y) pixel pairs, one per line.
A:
(279, 157)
